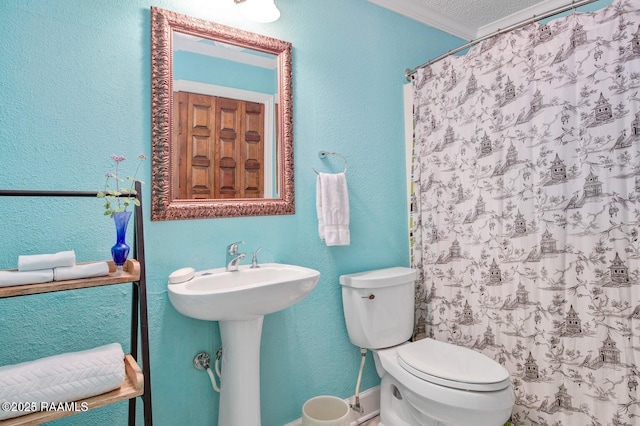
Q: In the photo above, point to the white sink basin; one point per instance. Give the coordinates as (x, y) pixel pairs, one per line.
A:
(217, 295)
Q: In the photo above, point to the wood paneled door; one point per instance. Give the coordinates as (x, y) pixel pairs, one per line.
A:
(220, 147)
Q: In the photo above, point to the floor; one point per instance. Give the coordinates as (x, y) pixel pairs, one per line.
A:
(372, 422)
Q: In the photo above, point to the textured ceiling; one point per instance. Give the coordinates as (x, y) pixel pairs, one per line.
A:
(470, 19)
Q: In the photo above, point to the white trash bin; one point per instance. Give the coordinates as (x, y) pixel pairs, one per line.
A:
(325, 411)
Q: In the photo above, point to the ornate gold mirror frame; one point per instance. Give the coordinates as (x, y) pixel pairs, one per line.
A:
(164, 203)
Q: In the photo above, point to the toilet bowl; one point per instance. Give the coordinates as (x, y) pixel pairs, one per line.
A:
(465, 389)
(427, 382)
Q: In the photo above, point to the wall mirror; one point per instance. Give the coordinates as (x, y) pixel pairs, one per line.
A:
(222, 121)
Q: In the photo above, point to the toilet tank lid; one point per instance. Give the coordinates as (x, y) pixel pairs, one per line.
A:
(377, 278)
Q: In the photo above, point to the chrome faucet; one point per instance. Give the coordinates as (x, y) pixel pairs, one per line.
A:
(233, 257)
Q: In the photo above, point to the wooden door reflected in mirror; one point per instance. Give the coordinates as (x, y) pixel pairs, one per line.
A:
(219, 146)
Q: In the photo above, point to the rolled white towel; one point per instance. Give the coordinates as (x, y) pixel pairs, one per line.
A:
(86, 270)
(9, 278)
(35, 262)
(62, 378)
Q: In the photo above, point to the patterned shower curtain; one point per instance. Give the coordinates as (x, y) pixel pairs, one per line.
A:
(526, 212)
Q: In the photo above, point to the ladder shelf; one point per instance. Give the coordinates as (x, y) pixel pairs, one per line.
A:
(137, 381)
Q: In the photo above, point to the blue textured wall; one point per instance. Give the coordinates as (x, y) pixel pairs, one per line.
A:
(74, 79)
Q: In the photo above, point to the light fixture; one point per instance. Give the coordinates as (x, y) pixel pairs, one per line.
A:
(258, 10)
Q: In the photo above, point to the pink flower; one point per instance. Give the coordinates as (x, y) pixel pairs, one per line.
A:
(123, 193)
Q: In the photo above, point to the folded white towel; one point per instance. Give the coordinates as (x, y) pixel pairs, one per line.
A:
(8, 278)
(46, 261)
(62, 378)
(86, 270)
(332, 205)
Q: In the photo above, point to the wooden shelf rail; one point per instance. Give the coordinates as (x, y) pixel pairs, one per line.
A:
(132, 387)
(131, 273)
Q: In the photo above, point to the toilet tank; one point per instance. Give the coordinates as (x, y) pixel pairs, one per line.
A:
(379, 306)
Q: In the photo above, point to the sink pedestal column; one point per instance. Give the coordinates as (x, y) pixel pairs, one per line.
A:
(240, 382)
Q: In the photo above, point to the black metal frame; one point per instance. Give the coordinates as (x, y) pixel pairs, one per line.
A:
(139, 314)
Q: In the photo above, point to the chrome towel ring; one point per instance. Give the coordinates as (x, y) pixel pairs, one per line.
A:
(324, 154)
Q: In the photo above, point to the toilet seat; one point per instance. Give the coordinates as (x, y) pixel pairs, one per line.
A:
(453, 366)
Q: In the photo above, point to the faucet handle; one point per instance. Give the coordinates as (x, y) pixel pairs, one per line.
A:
(233, 247)
(254, 261)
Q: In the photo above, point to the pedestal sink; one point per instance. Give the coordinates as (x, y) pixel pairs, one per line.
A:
(239, 300)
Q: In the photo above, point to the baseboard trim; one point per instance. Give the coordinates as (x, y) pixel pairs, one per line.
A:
(369, 401)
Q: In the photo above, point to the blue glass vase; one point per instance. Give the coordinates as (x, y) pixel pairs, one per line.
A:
(120, 250)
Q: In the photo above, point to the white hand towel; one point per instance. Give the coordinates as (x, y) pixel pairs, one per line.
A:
(87, 270)
(8, 278)
(46, 261)
(332, 205)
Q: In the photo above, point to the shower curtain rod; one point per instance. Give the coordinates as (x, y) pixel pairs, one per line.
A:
(409, 73)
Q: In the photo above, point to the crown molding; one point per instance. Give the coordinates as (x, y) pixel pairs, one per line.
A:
(416, 10)
(520, 16)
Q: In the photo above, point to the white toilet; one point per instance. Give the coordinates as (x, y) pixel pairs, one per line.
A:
(427, 382)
